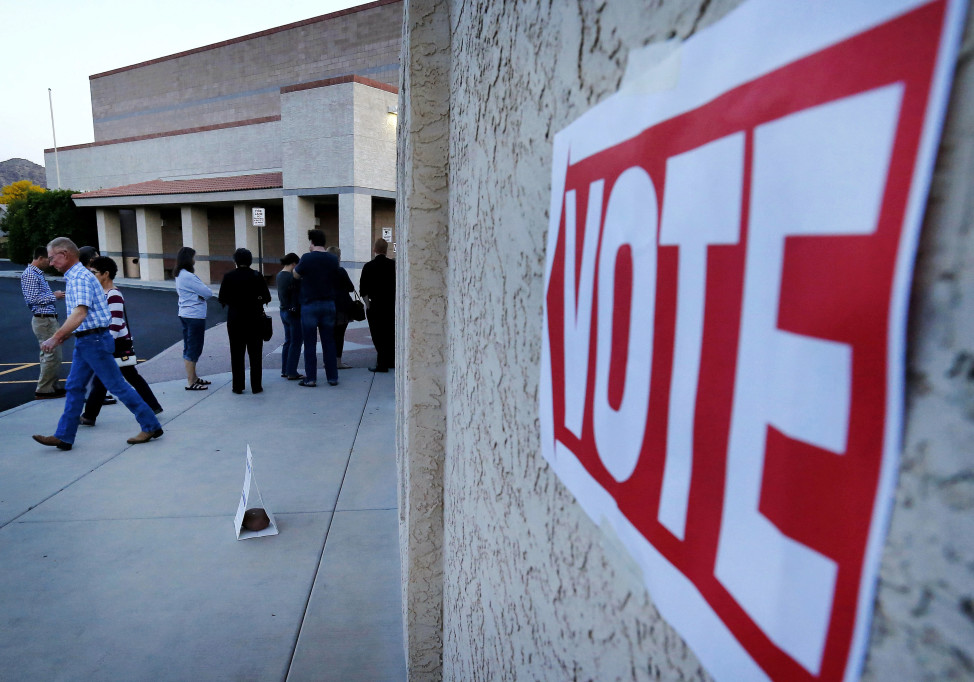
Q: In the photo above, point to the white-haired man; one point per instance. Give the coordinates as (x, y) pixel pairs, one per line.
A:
(88, 319)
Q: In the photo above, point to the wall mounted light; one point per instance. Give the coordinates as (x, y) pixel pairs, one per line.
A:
(394, 110)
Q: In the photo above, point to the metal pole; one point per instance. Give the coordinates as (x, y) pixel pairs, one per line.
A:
(57, 165)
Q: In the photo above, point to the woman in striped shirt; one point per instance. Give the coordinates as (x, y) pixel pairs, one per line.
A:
(105, 269)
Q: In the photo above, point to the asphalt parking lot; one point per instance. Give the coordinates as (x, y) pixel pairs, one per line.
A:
(152, 316)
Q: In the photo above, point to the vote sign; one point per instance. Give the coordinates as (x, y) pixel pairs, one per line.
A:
(728, 270)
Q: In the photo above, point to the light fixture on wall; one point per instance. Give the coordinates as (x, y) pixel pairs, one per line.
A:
(394, 110)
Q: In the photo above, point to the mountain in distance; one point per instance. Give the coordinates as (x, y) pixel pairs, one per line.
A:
(13, 170)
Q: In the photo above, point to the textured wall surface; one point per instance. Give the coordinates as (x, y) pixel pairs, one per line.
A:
(531, 589)
(421, 341)
(240, 80)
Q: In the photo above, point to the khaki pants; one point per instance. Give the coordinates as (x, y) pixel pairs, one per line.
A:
(50, 362)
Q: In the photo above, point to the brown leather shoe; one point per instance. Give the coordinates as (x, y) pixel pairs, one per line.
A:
(53, 441)
(144, 437)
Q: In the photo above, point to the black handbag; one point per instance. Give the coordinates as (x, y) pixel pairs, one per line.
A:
(268, 326)
(124, 353)
(356, 309)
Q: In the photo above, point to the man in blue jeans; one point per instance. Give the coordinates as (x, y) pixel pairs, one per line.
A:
(317, 271)
(88, 320)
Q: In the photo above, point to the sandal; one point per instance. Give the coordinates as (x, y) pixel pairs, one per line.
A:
(197, 386)
(203, 381)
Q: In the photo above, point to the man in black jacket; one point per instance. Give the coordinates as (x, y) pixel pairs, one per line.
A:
(245, 292)
(378, 289)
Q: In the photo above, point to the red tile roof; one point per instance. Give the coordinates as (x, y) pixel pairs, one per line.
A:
(235, 183)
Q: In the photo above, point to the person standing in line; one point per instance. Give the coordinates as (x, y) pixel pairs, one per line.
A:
(40, 299)
(104, 269)
(317, 271)
(88, 319)
(245, 293)
(378, 289)
(192, 314)
(288, 294)
(343, 302)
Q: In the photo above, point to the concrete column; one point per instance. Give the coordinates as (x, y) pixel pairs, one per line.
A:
(422, 335)
(355, 227)
(244, 233)
(148, 222)
(299, 217)
(109, 234)
(196, 235)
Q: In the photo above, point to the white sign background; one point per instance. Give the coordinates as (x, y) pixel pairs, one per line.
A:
(821, 171)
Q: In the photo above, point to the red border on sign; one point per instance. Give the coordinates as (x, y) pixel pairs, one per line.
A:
(837, 288)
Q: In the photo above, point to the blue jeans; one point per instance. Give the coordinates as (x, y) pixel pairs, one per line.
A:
(293, 340)
(193, 330)
(93, 355)
(318, 317)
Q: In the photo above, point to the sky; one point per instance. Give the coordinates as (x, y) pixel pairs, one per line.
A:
(58, 44)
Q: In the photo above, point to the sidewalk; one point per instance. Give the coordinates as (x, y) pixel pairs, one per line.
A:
(120, 562)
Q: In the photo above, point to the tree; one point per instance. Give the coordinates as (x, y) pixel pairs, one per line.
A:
(39, 217)
(18, 190)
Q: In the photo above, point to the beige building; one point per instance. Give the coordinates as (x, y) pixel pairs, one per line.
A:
(297, 120)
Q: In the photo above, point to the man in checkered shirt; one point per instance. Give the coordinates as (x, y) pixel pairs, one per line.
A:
(88, 320)
(40, 299)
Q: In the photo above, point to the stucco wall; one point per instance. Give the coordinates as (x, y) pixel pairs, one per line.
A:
(422, 340)
(240, 79)
(531, 589)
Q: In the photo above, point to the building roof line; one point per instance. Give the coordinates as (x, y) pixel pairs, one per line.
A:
(338, 80)
(249, 36)
(232, 183)
(169, 133)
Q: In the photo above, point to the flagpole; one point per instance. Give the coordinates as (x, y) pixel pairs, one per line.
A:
(57, 165)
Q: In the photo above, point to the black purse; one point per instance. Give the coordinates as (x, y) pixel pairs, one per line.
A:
(356, 309)
(266, 324)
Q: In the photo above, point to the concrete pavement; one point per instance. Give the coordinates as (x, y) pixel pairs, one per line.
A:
(120, 562)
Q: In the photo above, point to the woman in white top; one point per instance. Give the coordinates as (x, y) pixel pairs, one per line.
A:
(192, 313)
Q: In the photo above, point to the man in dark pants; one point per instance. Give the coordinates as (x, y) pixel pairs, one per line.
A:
(378, 289)
(245, 293)
(317, 271)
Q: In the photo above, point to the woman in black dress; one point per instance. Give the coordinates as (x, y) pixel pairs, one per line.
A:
(244, 292)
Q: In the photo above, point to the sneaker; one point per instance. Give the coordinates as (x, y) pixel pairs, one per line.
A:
(332, 383)
(109, 400)
(342, 365)
(305, 382)
(84, 421)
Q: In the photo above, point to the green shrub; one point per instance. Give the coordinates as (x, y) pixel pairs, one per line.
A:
(40, 217)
